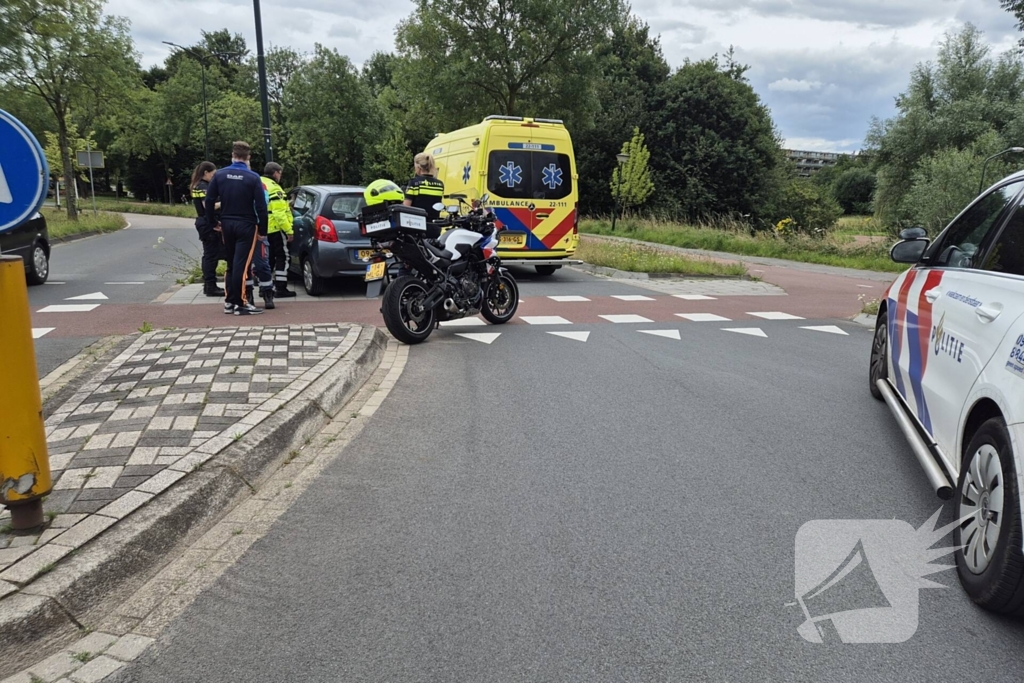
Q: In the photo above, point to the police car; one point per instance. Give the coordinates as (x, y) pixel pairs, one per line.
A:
(948, 359)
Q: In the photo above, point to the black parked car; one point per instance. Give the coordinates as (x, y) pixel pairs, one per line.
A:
(30, 241)
(327, 242)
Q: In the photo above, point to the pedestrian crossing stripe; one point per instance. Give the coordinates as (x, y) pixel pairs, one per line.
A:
(568, 299)
(483, 337)
(463, 322)
(775, 315)
(544, 320)
(95, 296)
(750, 331)
(668, 334)
(69, 308)
(38, 332)
(632, 297)
(831, 329)
(626, 319)
(575, 336)
(703, 317)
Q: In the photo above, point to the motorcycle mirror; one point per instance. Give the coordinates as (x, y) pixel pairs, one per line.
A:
(483, 200)
(453, 208)
(439, 207)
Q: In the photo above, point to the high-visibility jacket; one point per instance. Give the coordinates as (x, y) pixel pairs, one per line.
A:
(277, 205)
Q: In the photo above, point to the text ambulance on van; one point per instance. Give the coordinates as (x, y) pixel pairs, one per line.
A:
(528, 168)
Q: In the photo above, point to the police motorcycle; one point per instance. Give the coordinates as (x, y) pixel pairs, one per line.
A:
(440, 276)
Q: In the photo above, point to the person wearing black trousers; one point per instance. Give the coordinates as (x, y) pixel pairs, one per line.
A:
(209, 232)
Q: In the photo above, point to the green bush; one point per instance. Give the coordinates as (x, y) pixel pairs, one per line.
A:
(807, 210)
(853, 190)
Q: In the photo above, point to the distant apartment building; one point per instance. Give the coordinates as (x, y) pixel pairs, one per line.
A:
(809, 163)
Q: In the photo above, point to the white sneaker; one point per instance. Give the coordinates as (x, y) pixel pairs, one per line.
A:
(229, 308)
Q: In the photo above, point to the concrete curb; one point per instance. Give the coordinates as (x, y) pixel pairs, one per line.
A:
(628, 275)
(866, 320)
(88, 583)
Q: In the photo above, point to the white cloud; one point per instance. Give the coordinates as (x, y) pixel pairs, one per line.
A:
(821, 145)
(791, 85)
(823, 67)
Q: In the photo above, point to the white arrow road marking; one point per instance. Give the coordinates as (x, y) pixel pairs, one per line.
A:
(626, 319)
(775, 315)
(577, 336)
(668, 334)
(38, 332)
(752, 331)
(831, 329)
(463, 322)
(95, 296)
(694, 297)
(703, 317)
(5, 191)
(632, 297)
(544, 320)
(485, 337)
(564, 299)
(69, 308)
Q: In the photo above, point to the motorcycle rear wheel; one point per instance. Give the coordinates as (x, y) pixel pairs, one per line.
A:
(501, 300)
(404, 321)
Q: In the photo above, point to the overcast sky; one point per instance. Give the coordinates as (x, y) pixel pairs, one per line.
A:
(824, 67)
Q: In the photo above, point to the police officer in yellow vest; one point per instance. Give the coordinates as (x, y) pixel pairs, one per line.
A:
(425, 189)
(280, 230)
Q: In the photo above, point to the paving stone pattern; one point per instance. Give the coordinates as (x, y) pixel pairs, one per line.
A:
(169, 403)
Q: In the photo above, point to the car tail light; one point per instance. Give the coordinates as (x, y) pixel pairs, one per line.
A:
(325, 231)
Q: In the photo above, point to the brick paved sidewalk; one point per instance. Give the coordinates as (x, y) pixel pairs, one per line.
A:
(165, 406)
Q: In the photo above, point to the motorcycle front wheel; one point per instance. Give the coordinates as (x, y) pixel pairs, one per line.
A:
(501, 299)
(404, 315)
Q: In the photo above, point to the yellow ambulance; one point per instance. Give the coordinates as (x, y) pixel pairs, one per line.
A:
(528, 168)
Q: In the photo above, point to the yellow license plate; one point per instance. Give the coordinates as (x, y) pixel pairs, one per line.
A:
(375, 271)
(365, 253)
(515, 240)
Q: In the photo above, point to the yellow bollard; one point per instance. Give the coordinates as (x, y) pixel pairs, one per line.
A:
(24, 460)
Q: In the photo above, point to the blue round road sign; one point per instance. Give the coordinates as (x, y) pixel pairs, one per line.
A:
(24, 175)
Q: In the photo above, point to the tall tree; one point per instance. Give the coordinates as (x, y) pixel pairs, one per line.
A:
(330, 114)
(715, 147)
(631, 182)
(964, 97)
(468, 58)
(72, 57)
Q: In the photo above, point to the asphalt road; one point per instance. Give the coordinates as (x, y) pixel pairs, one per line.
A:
(624, 509)
(131, 266)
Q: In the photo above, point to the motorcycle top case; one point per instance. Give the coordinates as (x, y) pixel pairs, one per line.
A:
(387, 222)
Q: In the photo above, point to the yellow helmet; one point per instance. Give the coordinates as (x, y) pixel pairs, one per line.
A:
(383, 192)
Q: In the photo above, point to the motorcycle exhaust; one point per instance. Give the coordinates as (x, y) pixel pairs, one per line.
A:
(449, 305)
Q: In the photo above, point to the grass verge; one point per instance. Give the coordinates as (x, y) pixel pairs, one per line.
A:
(148, 208)
(829, 251)
(60, 227)
(860, 225)
(637, 258)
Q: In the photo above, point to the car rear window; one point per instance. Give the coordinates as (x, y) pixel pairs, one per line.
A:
(515, 174)
(343, 207)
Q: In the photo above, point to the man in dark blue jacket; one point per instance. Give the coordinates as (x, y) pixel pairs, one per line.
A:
(243, 219)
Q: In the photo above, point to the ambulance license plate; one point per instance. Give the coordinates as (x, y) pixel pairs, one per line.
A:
(514, 240)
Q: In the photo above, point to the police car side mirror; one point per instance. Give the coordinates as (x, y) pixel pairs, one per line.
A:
(909, 251)
(913, 234)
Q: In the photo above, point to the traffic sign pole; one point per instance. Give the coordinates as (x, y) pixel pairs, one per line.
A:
(24, 461)
(92, 185)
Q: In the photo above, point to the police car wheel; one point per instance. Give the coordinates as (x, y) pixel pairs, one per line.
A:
(989, 561)
(39, 268)
(879, 355)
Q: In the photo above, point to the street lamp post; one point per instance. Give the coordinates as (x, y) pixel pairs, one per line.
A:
(262, 66)
(981, 183)
(622, 159)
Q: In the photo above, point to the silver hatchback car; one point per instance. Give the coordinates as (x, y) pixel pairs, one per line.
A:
(327, 242)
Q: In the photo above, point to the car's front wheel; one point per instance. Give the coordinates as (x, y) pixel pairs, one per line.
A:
(989, 561)
(39, 266)
(879, 354)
